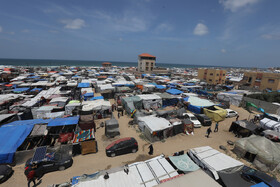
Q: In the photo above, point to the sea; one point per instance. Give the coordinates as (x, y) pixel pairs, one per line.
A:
(52, 62)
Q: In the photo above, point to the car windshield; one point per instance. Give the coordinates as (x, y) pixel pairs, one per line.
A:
(193, 118)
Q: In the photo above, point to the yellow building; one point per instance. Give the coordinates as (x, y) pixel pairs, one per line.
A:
(146, 63)
(212, 76)
(262, 80)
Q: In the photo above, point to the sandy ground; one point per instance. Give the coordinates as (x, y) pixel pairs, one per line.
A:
(87, 164)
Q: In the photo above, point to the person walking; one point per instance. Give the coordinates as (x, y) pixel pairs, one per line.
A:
(31, 174)
(151, 149)
(216, 127)
(119, 115)
(237, 117)
(208, 132)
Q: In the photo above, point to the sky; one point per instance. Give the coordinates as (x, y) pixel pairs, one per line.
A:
(203, 32)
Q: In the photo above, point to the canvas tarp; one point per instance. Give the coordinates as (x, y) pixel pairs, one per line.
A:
(154, 124)
(267, 152)
(215, 113)
(71, 106)
(151, 101)
(96, 105)
(184, 163)
(84, 85)
(233, 99)
(213, 160)
(174, 91)
(131, 103)
(39, 130)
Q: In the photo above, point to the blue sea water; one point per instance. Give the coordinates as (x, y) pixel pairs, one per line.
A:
(43, 62)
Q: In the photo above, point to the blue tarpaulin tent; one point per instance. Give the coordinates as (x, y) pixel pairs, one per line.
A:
(189, 84)
(84, 85)
(96, 98)
(174, 91)
(160, 87)
(34, 77)
(13, 135)
(36, 89)
(88, 95)
(20, 89)
(63, 121)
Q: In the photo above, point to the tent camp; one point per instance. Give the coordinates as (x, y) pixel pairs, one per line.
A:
(155, 128)
(174, 91)
(262, 152)
(151, 101)
(196, 104)
(215, 113)
(112, 128)
(243, 128)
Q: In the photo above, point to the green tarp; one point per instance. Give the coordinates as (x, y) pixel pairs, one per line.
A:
(184, 163)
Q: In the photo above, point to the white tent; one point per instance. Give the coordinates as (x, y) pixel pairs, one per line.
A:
(99, 104)
(151, 101)
(213, 160)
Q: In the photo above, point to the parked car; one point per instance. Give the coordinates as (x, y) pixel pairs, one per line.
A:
(122, 146)
(5, 173)
(204, 120)
(193, 119)
(231, 113)
(256, 176)
(51, 162)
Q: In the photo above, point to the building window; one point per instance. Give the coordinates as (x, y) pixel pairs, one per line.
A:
(258, 79)
(147, 68)
(210, 80)
(245, 78)
(217, 74)
(223, 74)
(211, 74)
(151, 68)
(250, 79)
(271, 80)
(216, 80)
(147, 63)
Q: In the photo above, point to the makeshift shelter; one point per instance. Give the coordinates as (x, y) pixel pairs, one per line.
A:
(112, 128)
(262, 152)
(84, 135)
(210, 160)
(195, 178)
(196, 104)
(231, 97)
(168, 100)
(96, 98)
(184, 163)
(154, 128)
(215, 113)
(71, 106)
(84, 85)
(151, 101)
(174, 91)
(131, 103)
(243, 128)
(13, 135)
(272, 135)
(178, 126)
(188, 126)
(20, 90)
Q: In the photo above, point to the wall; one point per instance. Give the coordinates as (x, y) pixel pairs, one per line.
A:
(268, 107)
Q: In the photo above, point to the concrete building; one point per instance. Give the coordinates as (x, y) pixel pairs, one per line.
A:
(146, 63)
(212, 76)
(261, 80)
(107, 64)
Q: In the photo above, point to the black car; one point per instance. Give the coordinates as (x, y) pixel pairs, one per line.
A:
(203, 119)
(51, 162)
(5, 173)
(122, 146)
(256, 177)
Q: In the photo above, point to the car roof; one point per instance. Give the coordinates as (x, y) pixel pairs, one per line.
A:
(118, 141)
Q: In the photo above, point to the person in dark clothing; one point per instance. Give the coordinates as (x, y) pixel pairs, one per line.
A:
(119, 115)
(237, 117)
(208, 132)
(216, 127)
(113, 107)
(31, 174)
(122, 112)
(42, 101)
(151, 151)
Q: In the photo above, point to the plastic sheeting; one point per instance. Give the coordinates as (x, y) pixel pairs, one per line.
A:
(174, 91)
(83, 85)
(20, 89)
(215, 113)
(12, 137)
(233, 99)
(64, 121)
(266, 151)
(184, 163)
(96, 98)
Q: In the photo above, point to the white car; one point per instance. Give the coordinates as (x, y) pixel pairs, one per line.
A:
(231, 113)
(193, 119)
